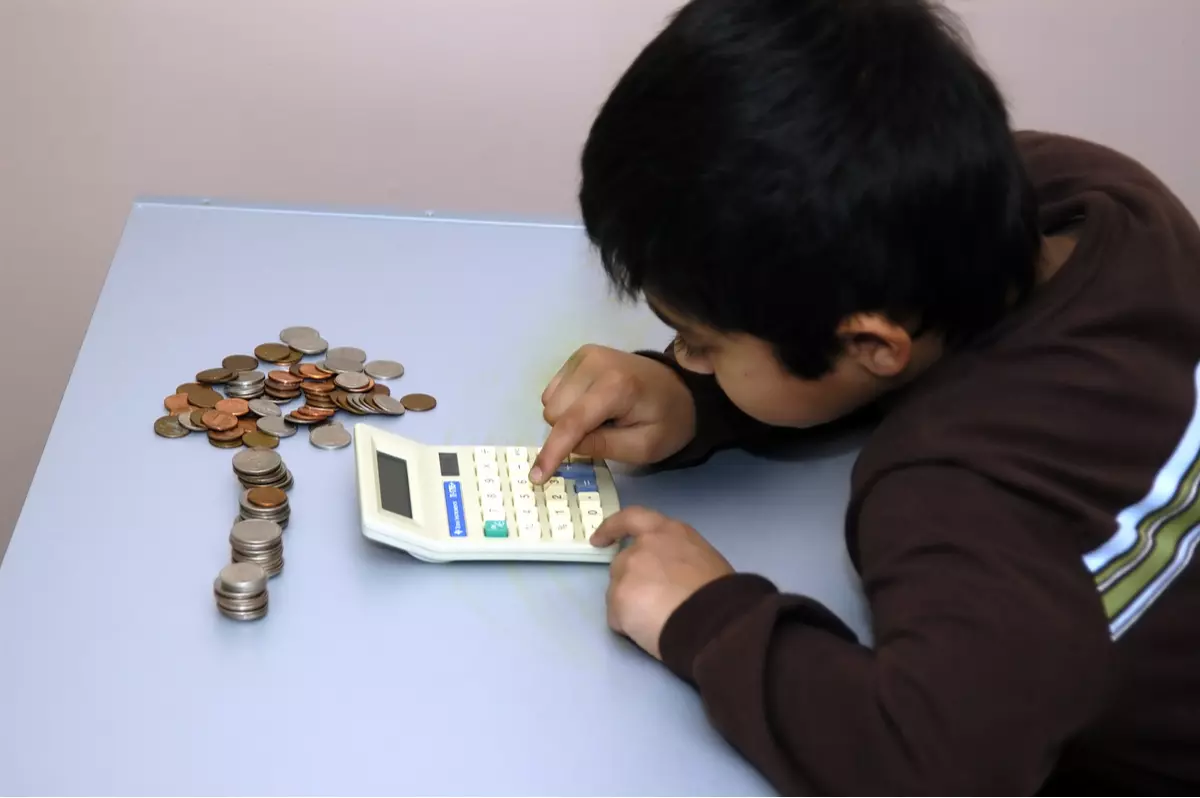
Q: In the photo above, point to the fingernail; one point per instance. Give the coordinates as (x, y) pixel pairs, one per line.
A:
(535, 474)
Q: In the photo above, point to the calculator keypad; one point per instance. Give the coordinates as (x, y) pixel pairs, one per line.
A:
(567, 508)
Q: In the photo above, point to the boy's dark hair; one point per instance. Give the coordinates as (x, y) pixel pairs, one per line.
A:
(773, 166)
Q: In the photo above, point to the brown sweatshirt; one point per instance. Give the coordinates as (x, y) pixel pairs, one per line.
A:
(1023, 520)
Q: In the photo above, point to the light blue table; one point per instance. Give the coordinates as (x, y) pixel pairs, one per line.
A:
(373, 673)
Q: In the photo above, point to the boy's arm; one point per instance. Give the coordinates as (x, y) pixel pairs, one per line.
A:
(721, 425)
(991, 651)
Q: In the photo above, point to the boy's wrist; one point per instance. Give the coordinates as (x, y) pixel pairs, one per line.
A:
(705, 615)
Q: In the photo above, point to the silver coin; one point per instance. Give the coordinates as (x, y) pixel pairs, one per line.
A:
(301, 333)
(329, 437)
(277, 426)
(348, 352)
(257, 461)
(247, 379)
(256, 535)
(341, 365)
(352, 380)
(242, 578)
(265, 407)
(384, 369)
(185, 420)
(309, 346)
(388, 404)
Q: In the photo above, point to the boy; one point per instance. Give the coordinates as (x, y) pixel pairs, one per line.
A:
(825, 200)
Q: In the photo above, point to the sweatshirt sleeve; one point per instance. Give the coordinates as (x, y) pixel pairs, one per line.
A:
(721, 425)
(991, 649)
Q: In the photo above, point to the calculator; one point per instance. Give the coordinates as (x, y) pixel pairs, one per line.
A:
(446, 503)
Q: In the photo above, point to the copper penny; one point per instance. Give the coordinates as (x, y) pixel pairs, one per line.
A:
(293, 357)
(310, 371)
(177, 403)
(206, 398)
(418, 402)
(218, 421)
(234, 407)
(382, 389)
(324, 387)
(325, 373)
(240, 363)
(188, 387)
(285, 379)
(216, 376)
(227, 435)
(260, 440)
(247, 425)
(273, 352)
(266, 497)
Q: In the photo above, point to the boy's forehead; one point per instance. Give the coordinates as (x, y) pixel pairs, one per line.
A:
(667, 317)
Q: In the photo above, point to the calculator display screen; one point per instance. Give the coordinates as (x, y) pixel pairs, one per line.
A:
(395, 492)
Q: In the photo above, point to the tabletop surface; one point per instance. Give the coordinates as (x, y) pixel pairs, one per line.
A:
(374, 672)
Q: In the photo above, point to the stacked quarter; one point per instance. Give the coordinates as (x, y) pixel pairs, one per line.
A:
(261, 468)
(283, 386)
(267, 504)
(304, 339)
(330, 436)
(259, 542)
(241, 591)
(246, 385)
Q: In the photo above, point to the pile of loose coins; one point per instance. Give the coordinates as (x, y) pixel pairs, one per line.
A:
(241, 591)
(249, 415)
(250, 412)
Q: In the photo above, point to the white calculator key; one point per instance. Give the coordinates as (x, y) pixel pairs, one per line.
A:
(524, 499)
(529, 530)
(591, 514)
(527, 515)
(521, 485)
(518, 468)
(494, 513)
(533, 453)
(558, 512)
(590, 525)
(490, 485)
(487, 470)
(562, 530)
(555, 483)
(492, 497)
(485, 454)
(517, 454)
(557, 497)
(588, 497)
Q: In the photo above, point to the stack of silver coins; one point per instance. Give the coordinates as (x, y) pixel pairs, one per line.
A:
(246, 385)
(241, 591)
(265, 504)
(259, 542)
(261, 467)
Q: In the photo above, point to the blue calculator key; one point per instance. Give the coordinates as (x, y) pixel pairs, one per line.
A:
(495, 529)
(576, 471)
(456, 517)
(586, 484)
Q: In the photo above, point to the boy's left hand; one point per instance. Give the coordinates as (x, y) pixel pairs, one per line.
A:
(665, 563)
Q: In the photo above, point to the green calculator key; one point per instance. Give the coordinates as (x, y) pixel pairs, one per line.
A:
(495, 529)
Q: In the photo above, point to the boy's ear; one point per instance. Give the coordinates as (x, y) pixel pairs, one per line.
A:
(876, 343)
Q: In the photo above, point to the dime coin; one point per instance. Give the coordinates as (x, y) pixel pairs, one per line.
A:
(276, 426)
(388, 404)
(347, 352)
(188, 421)
(419, 402)
(329, 436)
(169, 427)
(264, 407)
(384, 369)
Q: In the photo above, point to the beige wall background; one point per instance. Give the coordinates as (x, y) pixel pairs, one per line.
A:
(465, 105)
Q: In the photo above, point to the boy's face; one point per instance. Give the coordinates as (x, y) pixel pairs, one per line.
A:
(876, 358)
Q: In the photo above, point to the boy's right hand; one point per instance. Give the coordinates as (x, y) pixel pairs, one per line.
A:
(614, 405)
